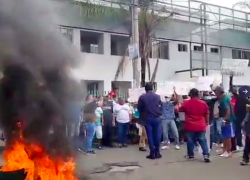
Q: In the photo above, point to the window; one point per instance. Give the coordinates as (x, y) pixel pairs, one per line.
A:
(214, 50)
(241, 54)
(67, 32)
(182, 47)
(236, 54)
(160, 49)
(198, 48)
(119, 45)
(91, 42)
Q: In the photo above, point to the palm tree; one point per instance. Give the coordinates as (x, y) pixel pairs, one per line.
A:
(150, 16)
(242, 4)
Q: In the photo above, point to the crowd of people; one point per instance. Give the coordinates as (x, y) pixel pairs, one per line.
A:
(157, 122)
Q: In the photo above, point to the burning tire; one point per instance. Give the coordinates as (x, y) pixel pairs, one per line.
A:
(13, 175)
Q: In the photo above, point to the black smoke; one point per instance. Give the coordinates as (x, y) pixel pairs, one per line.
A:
(36, 87)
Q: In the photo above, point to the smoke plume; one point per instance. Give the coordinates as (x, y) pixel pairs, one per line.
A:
(35, 87)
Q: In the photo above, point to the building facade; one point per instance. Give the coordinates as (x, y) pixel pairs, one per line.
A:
(193, 43)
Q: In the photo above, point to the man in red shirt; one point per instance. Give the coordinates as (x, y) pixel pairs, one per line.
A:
(196, 121)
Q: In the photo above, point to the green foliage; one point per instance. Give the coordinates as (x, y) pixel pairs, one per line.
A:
(242, 4)
(99, 10)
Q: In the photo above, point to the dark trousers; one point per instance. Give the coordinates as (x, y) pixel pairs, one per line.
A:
(247, 149)
(192, 138)
(238, 134)
(154, 132)
(122, 132)
(108, 133)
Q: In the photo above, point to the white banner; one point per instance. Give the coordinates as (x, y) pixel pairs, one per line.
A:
(134, 94)
(234, 66)
(183, 88)
(165, 88)
(203, 83)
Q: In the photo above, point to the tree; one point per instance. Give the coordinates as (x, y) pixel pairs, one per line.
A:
(150, 16)
(242, 4)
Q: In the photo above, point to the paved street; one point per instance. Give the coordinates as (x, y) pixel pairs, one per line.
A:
(171, 166)
(111, 164)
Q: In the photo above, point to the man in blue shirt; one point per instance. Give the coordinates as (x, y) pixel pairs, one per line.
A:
(150, 110)
(169, 122)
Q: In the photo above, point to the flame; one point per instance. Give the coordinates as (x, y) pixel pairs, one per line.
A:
(37, 163)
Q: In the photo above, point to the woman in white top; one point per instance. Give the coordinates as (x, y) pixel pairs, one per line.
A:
(123, 114)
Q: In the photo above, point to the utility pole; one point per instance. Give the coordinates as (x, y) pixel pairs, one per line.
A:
(135, 41)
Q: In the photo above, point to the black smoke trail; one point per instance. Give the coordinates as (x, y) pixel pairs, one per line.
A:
(36, 86)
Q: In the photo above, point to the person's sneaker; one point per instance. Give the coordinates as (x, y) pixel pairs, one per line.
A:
(150, 157)
(158, 156)
(206, 159)
(164, 147)
(219, 151)
(120, 145)
(244, 162)
(177, 147)
(238, 148)
(142, 149)
(90, 152)
(100, 147)
(189, 157)
(124, 145)
(225, 154)
(80, 150)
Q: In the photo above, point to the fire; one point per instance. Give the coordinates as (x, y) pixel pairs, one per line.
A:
(37, 164)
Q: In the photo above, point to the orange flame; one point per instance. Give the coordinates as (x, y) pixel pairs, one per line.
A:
(37, 163)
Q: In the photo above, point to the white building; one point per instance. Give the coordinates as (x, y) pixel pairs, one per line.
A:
(195, 41)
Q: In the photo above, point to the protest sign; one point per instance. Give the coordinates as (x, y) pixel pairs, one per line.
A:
(165, 88)
(134, 94)
(183, 88)
(234, 67)
(203, 83)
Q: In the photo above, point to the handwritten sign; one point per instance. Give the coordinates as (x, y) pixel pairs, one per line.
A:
(165, 88)
(234, 67)
(183, 88)
(134, 94)
(203, 83)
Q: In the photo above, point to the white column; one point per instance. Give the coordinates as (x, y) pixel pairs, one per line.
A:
(77, 38)
(107, 85)
(107, 44)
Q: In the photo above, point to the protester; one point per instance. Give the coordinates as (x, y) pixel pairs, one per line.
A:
(226, 113)
(89, 117)
(123, 116)
(168, 122)
(98, 124)
(240, 113)
(217, 124)
(141, 128)
(150, 109)
(197, 118)
(246, 127)
(108, 118)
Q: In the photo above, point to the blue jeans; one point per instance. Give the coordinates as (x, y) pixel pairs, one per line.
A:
(166, 124)
(192, 137)
(122, 132)
(216, 130)
(90, 134)
(154, 132)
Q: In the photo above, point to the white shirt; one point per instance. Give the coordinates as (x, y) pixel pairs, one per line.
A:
(122, 113)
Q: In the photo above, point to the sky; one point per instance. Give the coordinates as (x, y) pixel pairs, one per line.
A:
(224, 3)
